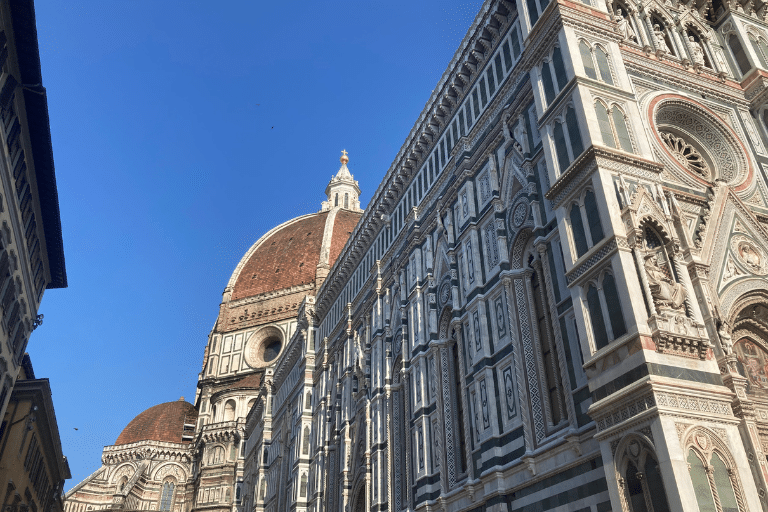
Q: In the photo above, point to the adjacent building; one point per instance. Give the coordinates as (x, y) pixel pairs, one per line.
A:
(31, 461)
(556, 299)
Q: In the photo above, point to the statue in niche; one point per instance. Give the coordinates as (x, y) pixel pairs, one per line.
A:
(697, 53)
(665, 291)
(661, 42)
(521, 135)
(623, 27)
(505, 127)
(726, 342)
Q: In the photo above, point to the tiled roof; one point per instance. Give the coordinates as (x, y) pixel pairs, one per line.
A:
(343, 226)
(289, 256)
(251, 381)
(163, 422)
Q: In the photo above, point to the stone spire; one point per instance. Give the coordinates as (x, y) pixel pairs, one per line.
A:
(342, 191)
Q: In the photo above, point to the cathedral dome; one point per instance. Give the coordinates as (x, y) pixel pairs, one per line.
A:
(289, 255)
(163, 422)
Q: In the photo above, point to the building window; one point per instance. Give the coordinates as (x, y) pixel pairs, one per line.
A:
(535, 9)
(613, 127)
(761, 50)
(166, 500)
(567, 139)
(739, 55)
(336, 201)
(229, 410)
(715, 491)
(346, 200)
(553, 75)
(595, 60)
(586, 228)
(605, 312)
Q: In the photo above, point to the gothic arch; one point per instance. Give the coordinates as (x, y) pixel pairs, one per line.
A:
(126, 469)
(445, 323)
(517, 254)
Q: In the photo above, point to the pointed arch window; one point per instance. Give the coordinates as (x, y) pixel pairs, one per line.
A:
(584, 220)
(761, 55)
(739, 55)
(613, 127)
(166, 499)
(605, 311)
(346, 200)
(595, 60)
(566, 137)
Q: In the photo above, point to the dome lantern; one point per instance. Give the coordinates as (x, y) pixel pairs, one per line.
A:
(342, 191)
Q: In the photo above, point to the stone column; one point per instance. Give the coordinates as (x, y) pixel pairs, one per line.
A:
(522, 388)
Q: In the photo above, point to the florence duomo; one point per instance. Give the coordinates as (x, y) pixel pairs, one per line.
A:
(555, 300)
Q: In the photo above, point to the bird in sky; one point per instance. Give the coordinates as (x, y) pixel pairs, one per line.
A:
(76, 428)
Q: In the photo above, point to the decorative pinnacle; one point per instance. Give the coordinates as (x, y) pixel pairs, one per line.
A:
(344, 158)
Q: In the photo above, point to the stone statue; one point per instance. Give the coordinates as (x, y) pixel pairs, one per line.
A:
(725, 339)
(521, 135)
(505, 127)
(697, 53)
(661, 43)
(663, 289)
(623, 27)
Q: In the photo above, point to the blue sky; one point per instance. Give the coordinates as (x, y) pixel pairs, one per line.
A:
(182, 131)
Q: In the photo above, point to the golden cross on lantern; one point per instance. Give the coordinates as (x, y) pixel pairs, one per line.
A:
(344, 158)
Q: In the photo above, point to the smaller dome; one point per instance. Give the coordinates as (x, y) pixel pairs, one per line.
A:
(163, 422)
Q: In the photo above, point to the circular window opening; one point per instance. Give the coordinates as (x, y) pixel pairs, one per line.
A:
(271, 349)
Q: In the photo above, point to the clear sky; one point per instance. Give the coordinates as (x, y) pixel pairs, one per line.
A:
(182, 131)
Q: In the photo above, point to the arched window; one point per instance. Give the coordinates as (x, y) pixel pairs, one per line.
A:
(584, 219)
(595, 62)
(739, 55)
(586, 58)
(308, 402)
(121, 485)
(305, 442)
(346, 200)
(574, 135)
(605, 312)
(577, 230)
(758, 50)
(601, 56)
(613, 127)
(593, 217)
(229, 410)
(336, 202)
(596, 317)
(557, 63)
(605, 124)
(620, 125)
(166, 498)
(561, 148)
(303, 486)
(549, 85)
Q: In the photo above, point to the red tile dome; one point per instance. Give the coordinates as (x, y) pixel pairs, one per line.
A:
(163, 422)
(288, 255)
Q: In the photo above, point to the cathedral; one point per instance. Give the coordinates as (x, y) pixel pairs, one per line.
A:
(555, 300)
